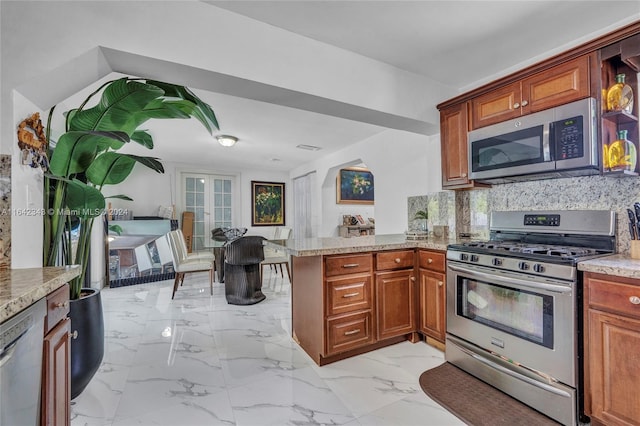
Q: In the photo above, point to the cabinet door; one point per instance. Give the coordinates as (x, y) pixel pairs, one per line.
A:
(496, 106)
(432, 292)
(559, 85)
(395, 300)
(453, 146)
(56, 386)
(613, 368)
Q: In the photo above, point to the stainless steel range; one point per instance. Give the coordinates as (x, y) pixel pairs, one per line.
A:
(514, 305)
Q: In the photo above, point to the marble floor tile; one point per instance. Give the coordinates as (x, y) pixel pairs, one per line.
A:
(196, 360)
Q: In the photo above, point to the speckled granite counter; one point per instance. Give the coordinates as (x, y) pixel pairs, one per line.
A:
(337, 245)
(617, 264)
(19, 288)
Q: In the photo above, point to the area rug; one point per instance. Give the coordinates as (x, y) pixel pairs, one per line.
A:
(475, 402)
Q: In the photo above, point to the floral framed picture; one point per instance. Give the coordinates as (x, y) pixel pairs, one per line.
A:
(354, 186)
(267, 199)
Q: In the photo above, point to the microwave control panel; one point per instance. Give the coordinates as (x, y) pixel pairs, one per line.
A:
(568, 137)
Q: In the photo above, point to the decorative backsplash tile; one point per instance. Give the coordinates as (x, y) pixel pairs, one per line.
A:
(467, 212)
(5, 211)
(579, 193)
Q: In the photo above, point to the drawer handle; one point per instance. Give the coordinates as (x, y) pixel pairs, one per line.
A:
(74, 335)
(62, 304)
(429, 260)
(516, 105)
(440, 283)
(635, 300)
(349, 333)
(412, 278)
(397, 260)
(350, 295)
(525, 103)
(350, 265)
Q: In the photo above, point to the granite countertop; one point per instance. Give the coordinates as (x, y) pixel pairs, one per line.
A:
(20, 288)
(339, 245)
(617, 264)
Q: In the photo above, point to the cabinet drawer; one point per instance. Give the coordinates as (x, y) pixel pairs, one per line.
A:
(394, 259)
(349, 332)
(57, 307)
(613, 296)
(348, 294)
(432, 260)
(342, 265)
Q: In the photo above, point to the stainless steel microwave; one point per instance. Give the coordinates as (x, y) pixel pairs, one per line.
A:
(556, 142)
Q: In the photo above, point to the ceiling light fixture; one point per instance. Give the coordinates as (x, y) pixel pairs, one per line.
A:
(309, 147)
(226, 140)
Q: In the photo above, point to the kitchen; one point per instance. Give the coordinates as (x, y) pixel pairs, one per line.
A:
(543, 194)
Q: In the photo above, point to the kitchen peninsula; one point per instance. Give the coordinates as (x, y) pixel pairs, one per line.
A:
(354, 295)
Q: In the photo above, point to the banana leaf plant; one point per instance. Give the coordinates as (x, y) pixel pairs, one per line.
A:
(85, 158)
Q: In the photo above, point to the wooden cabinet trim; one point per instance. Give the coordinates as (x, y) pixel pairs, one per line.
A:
(396, 259)
(348, 294)
(348, 264)
(57, 307)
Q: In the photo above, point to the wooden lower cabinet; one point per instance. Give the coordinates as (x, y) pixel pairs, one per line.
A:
(612, 350)
(395, 303)
(432, 304)
(432, 292)
(56, 382)
(56, 396)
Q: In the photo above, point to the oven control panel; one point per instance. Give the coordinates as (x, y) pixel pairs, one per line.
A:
(542, 219)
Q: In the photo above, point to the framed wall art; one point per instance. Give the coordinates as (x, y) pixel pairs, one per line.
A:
(267, 199)
(354, 186)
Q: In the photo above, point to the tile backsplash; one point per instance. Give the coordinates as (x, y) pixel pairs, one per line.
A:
(467, 212)
(5, 209)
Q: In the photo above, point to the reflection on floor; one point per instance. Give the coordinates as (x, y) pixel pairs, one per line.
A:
(196, 360)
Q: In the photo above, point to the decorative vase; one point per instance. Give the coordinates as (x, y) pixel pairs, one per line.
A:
(622, 153)
(87, 342)
(620, 96)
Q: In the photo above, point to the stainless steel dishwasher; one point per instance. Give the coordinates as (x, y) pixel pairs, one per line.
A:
(21, 366)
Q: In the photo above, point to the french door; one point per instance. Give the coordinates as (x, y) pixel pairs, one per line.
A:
(211, 199)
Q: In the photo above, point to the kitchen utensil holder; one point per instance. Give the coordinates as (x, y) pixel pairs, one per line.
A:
(635, 249)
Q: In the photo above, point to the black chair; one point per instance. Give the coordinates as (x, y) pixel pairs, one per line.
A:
(242, 270)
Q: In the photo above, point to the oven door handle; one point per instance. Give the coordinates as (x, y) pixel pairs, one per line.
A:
(498, 279)
(514, 374)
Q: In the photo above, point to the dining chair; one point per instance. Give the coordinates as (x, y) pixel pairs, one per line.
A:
(274, 257)
(184, 265)
(182, 243)
(243, 283)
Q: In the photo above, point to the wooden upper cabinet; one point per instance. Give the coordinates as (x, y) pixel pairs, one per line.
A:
(555, 86)
(453, 135)
(496, 106)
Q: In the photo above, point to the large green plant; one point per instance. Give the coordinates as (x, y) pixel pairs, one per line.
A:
(85, 158)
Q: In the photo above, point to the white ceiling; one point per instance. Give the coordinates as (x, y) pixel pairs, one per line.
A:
(459, 43)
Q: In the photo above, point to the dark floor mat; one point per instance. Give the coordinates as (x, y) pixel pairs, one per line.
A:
(475, 402)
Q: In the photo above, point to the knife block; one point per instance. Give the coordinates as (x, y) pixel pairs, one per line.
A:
(635, 249)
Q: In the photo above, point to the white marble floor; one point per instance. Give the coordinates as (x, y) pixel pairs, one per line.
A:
(197, 360)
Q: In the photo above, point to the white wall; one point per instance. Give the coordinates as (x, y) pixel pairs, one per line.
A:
(403, 164)
(151, 190)
(26, 198)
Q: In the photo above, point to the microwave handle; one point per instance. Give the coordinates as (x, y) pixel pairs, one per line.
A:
(549, 143)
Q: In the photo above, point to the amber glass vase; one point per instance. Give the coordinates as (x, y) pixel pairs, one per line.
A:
(620, 96)
(621, 154)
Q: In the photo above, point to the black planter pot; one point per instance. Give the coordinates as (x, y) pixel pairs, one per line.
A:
(87, 346)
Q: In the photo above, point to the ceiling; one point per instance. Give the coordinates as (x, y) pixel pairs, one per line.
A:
(459, 43)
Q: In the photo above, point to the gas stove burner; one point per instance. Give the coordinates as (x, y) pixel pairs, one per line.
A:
(544, 250)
